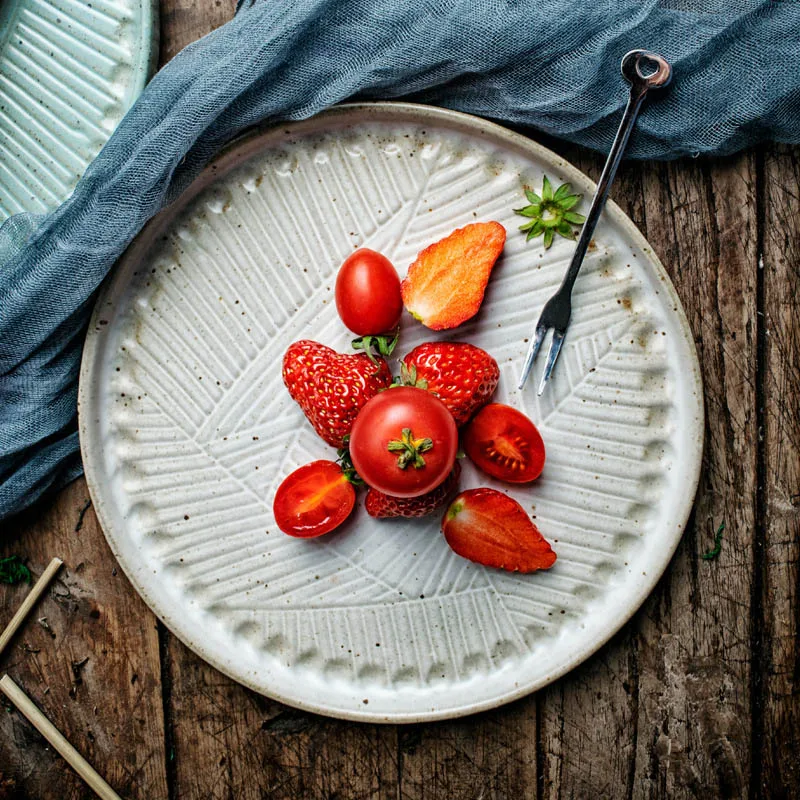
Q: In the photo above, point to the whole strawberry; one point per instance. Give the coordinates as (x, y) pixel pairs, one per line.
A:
(331, 387)
(461, 375)
(383, 505)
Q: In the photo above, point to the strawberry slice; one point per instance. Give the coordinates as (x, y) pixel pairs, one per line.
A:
(491, 528)
(332, 387)
(461, 375)
(445, 285)
(383, 505)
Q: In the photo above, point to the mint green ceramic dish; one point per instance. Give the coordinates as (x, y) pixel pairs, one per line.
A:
(69, 71)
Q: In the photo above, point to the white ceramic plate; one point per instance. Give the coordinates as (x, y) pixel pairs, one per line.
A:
(187, 429)
(69, 70)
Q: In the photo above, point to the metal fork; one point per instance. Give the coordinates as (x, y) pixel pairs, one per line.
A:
(644, 71)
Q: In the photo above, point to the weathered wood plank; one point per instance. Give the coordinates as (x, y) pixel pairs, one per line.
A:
(109, 706)
(658, 735)
(587, 735)
(779, 740)
(490, 756)
(232, 743)
(184, 21)
(495, 755)
(587, 740)
(228, 741)
(693, 640)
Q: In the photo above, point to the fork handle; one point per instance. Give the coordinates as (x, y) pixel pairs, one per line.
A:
(632, 70)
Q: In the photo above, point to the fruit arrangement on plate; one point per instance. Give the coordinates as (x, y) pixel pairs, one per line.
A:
(401, 437)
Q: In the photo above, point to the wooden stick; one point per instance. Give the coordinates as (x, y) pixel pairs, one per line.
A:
(54, 736)
(29, 602)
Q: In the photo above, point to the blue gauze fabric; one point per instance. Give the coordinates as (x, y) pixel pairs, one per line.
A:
(550, 64)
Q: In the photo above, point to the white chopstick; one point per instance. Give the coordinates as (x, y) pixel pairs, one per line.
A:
(54, 736)
(29, 602)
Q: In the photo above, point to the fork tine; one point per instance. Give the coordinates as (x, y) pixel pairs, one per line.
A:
(552, 356)
(533, 349)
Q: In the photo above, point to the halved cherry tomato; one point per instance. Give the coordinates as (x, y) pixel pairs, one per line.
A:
(313, 500)
(368, 293)
(505, 444)
(404, 442)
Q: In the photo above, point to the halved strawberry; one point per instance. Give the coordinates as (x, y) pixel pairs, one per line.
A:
(445, 285)
(491, 528)
(461, 375)
(383, 505)
(332, 387)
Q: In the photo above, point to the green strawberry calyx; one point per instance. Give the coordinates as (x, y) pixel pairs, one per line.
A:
(376, 346)
(551, 213)
(408, 377)
(346, 463)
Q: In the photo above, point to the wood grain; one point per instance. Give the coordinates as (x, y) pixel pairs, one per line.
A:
(225, 741)
(699, 696)
(693, 637)
(779, 734)
(488, 755)
(231, 742)
(184, 21)
(94, 671)
(673, 689)
(34, 715)
(577, 756)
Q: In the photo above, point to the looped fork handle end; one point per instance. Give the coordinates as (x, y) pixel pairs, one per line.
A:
(646, 70)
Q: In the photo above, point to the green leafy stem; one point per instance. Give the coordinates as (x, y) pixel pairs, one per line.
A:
(717, 549)
(12, 571)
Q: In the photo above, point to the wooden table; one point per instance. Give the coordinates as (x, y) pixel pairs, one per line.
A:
(698, 696)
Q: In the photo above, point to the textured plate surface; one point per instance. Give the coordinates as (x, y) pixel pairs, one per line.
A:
(69, 70)
(187, 429)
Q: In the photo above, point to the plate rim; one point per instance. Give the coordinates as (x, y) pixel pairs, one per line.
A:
(149, 52)
(359, 113)
(143, 63)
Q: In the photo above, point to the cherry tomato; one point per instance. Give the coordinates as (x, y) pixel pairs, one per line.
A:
(368, 293)
(404, 442)
(313, 500)
(505, 444)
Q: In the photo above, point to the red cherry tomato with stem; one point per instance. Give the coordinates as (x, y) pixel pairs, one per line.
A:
(313, 500)
(404, 442)
(368, 295)
(505, 444)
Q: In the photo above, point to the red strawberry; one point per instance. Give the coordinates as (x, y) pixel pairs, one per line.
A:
(382, 505)
(445, 285)
(461, 375)
(331, 387)
(493, 529)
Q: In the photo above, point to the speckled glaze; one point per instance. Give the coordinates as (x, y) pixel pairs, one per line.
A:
(69, 70)
(187, 430)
